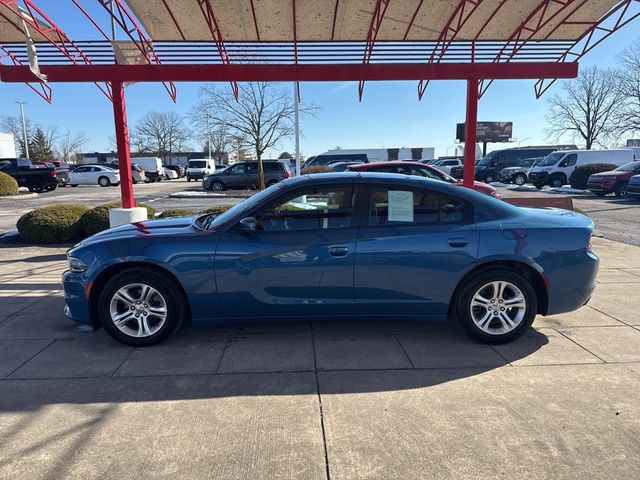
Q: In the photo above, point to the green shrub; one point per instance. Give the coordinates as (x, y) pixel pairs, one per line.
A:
(97, 219)
(316, 169)
(581, 174)
(176, 212)
(216, 209)
(52, 224)
(8, 185)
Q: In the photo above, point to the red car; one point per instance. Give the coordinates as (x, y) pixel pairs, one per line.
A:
(420, 169)
(615, 181)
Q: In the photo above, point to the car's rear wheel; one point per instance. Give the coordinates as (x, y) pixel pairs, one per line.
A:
(496, 306)
(600, 194)
(147, 180)
(520, 179)
(621, 189)
(557, 181)
(51, 188)
(104, 182)
(35, 185)
(217, 186)
(140, 307)
(488, 179)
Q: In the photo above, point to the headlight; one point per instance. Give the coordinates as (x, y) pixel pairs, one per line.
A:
(76, 265)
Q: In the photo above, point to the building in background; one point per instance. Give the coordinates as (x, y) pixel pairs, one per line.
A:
(178, 158)
(384, 154)
(7, 146)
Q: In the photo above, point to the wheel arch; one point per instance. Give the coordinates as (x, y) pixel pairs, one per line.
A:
(532, 275)
(100, 281)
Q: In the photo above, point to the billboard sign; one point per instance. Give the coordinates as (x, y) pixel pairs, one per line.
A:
(488, 132)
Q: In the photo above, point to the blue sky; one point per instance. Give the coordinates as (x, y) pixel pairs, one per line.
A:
(388, 116)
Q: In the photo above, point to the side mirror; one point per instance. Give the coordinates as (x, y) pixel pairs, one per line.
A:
(249, 224)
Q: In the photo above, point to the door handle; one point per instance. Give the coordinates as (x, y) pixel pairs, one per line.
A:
(338, 251)
(458, 242)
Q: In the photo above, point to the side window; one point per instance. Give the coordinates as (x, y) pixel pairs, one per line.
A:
(80, 170)
(400, 207)
(425, 172)
(313, 209)
(252, 168)
(570, 160)
(5, 164)
(237, 170)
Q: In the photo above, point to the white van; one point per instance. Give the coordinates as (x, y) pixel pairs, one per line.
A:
(199, 167)
(557, 167)
(152, 166)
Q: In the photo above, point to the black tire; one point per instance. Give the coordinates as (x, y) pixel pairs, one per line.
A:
(147, 179)
(520, 179)
(134, 181)
(163, 284)
(557, 181)
(539, 186)
(104, 181)
(74, 186)
(464, 296)
(35, 185)
(188, 179)
(600, 194)
(271, 182)
(51, 188)
(488, 178)
(621, 189)
(217, 186)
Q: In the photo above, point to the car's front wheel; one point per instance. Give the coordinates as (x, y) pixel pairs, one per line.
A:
(140, 307)
(621, 189)
(496, 306)
(104, 182)
(217, 186)
(520, 179)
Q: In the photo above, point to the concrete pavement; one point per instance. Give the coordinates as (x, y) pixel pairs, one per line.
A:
(392, 400)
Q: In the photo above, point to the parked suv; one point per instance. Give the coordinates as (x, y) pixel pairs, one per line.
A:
(519, 174)
(614, 181)
(245, 175)
(487, 168)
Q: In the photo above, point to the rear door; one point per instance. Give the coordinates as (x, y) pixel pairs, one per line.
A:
(235, 175)
(412, 251)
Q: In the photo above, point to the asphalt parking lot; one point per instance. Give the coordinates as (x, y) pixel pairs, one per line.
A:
(389, 400)
(616, 219)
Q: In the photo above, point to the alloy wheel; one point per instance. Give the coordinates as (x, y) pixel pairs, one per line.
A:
(498, 307)
(138, 310)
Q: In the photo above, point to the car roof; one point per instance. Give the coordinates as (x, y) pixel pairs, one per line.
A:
(392, 163)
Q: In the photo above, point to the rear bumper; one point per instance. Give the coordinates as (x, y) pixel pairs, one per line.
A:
(601, 188)
(571, 287)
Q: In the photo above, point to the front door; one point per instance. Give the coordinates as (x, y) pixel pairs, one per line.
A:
(412, 252)
(298, 262)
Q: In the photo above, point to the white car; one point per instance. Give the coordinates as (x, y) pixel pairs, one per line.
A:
(170, 174)
(446, 165)
(94, 175)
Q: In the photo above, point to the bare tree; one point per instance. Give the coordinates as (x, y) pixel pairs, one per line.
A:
(160, 133)
(70, 144)
(13, 125)
(213, 134)
(587, 108)
(629, 115)
(262, 115)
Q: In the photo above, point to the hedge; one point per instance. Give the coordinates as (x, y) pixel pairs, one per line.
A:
(216, 209)
(581, 174)
(52, 224)
(8, 185)
(316, 169)
(97, 219)
(176, 212)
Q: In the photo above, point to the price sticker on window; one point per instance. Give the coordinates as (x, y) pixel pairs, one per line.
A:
(400, 206)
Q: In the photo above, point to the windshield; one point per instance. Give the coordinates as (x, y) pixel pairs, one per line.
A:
(486, 160)
(197, 164)
(629, 167)
(212, 221)
(551, 159)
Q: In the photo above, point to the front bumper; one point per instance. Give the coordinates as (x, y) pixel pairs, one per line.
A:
(76, 297)
(633, 189)
(539, 178)
(195, 176)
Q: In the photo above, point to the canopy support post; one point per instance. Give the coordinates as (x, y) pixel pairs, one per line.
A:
(470, 127)
(122, 142)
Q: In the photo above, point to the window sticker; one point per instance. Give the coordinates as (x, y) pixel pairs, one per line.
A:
(400, 206)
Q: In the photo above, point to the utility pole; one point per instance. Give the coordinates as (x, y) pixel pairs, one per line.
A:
(296, 94)
(24, 130)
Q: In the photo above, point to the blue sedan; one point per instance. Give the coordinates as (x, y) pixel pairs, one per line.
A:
(339, 245)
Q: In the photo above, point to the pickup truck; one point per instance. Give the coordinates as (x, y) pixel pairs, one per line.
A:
(36, 179)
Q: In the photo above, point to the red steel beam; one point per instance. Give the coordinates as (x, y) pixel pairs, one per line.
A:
(255, 20)
(374, 28)
(538, 18)
(212, 23)
(291, 73)
(458, 19)
(470, 131)
(335, 16)
(413, 18)
(122, 142)
(45, 90)
(173, 18)
(593, 37)
(52, 33)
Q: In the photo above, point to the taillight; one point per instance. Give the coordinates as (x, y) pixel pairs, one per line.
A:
(53, 173)
(286, 174)
(589, 243)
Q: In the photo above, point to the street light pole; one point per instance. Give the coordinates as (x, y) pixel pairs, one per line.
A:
(296, 95)
(24, 130)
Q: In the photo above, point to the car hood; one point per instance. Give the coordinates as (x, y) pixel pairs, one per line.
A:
(479, 187)
(163, 227)
(512, 169)
(612, 174)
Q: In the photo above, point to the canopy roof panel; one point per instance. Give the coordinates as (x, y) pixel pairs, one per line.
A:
(350, 20)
